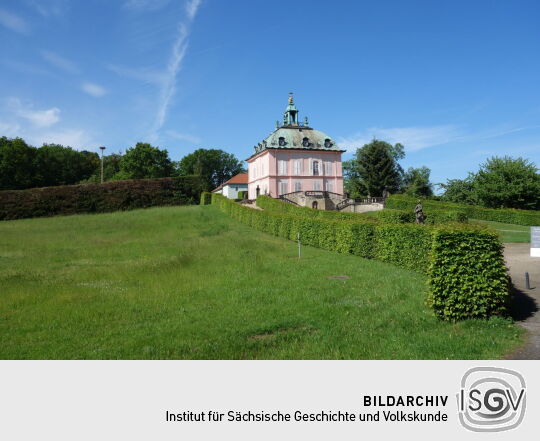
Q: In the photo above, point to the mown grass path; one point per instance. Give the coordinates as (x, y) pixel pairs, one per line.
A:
(189, 282)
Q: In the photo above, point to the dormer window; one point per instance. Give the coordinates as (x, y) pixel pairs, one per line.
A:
(281, 141)
(305, 142)
(327, 143)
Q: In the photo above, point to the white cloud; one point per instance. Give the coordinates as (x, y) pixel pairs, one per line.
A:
(60, 62)
(173, 67)
(183, 136)
(13, 22)
(93, 89)
(10, 130)
(192, 6)
(145, 5)
(412, 138)
(76, 138)
(38, 118)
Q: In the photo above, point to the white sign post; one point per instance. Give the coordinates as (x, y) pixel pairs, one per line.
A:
(535, 241)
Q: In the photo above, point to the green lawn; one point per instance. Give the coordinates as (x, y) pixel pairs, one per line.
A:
(507, 232)
(189, 282)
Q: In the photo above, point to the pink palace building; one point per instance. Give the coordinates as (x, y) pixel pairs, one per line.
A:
(295, 158)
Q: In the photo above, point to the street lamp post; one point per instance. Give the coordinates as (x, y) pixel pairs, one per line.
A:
(102, 148)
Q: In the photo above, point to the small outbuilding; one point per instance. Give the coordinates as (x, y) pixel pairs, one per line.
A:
(230, 188)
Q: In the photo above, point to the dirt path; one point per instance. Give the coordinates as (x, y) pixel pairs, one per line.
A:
(526, 301)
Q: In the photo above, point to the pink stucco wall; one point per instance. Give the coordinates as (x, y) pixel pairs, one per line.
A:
(264, 171)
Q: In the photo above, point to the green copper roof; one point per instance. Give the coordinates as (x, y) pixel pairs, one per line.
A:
(294, 135)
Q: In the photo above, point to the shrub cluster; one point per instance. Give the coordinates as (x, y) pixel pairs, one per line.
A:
(505, 215)
(460, 260)
(206, 198)
(99, 198)
(242, 194)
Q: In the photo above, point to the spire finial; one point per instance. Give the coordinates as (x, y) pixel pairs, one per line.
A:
(290, 97)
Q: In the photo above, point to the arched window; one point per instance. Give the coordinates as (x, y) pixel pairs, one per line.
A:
(327, 143)
(315, 168)
(281, 141)
(305, 142)
(315, 205)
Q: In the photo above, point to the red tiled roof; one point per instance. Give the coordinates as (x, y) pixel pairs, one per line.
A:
(240, 178)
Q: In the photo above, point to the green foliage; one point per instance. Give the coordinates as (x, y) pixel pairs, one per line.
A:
(408, 246)
(416, 182)
(243, 194)
(144, 162)
(394, 216)
(376, 164)
(206, 198)
(16, 164)
(23, 166)
(468, 276)
(508, 183)
(500, 183)
(99, 198)
(460, 191)
(441, 251)
(212, 165)
(509, 215)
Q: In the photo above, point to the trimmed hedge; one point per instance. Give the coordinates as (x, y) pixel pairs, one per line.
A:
(99, 198)
(206, 198)
(242, 194)
(385, 216)
(465, 266)
(505, 215)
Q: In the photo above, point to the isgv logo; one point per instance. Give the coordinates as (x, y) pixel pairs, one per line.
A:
(491, 399)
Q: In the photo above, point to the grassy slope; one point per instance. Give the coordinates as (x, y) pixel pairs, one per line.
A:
(188, 282)
(507, 232)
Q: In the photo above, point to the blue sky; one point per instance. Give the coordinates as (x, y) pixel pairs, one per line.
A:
(454, 82)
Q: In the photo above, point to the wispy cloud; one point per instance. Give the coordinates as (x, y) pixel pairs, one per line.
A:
(412, 138)
(49, 8)
(76, 138)
(146, 75)
(94, 90)
(183, 136)
(145, 5)
(38, 118)
(174, 65)
(13, 22)
(60, 62)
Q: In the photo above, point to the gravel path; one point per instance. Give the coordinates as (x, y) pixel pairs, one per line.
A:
(526, 301)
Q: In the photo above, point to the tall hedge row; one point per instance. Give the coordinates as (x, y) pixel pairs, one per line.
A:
(465, 266)
(505, 215)
(433, 216)
(99, 198)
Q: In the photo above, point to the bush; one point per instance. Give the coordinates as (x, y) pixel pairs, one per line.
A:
(206, 198)
(466, 273)
(242, 194)
(99, 198)
(468, 276)
(505, 215)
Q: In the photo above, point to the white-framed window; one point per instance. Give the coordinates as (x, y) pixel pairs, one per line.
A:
(328, 168)
(282, 167)
(329, 186)
(297, 185)
(315, 167)
(297, 167)
(317, 185)
(283, 187)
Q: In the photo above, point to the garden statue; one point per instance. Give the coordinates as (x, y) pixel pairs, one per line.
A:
(419, 213)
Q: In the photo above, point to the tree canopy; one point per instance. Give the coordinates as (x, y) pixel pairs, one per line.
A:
(145, 161)
(416, 182)
(499, 183)
(212, 165)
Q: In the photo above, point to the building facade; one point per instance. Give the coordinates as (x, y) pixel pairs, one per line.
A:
(293, 158)
(230, 188)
